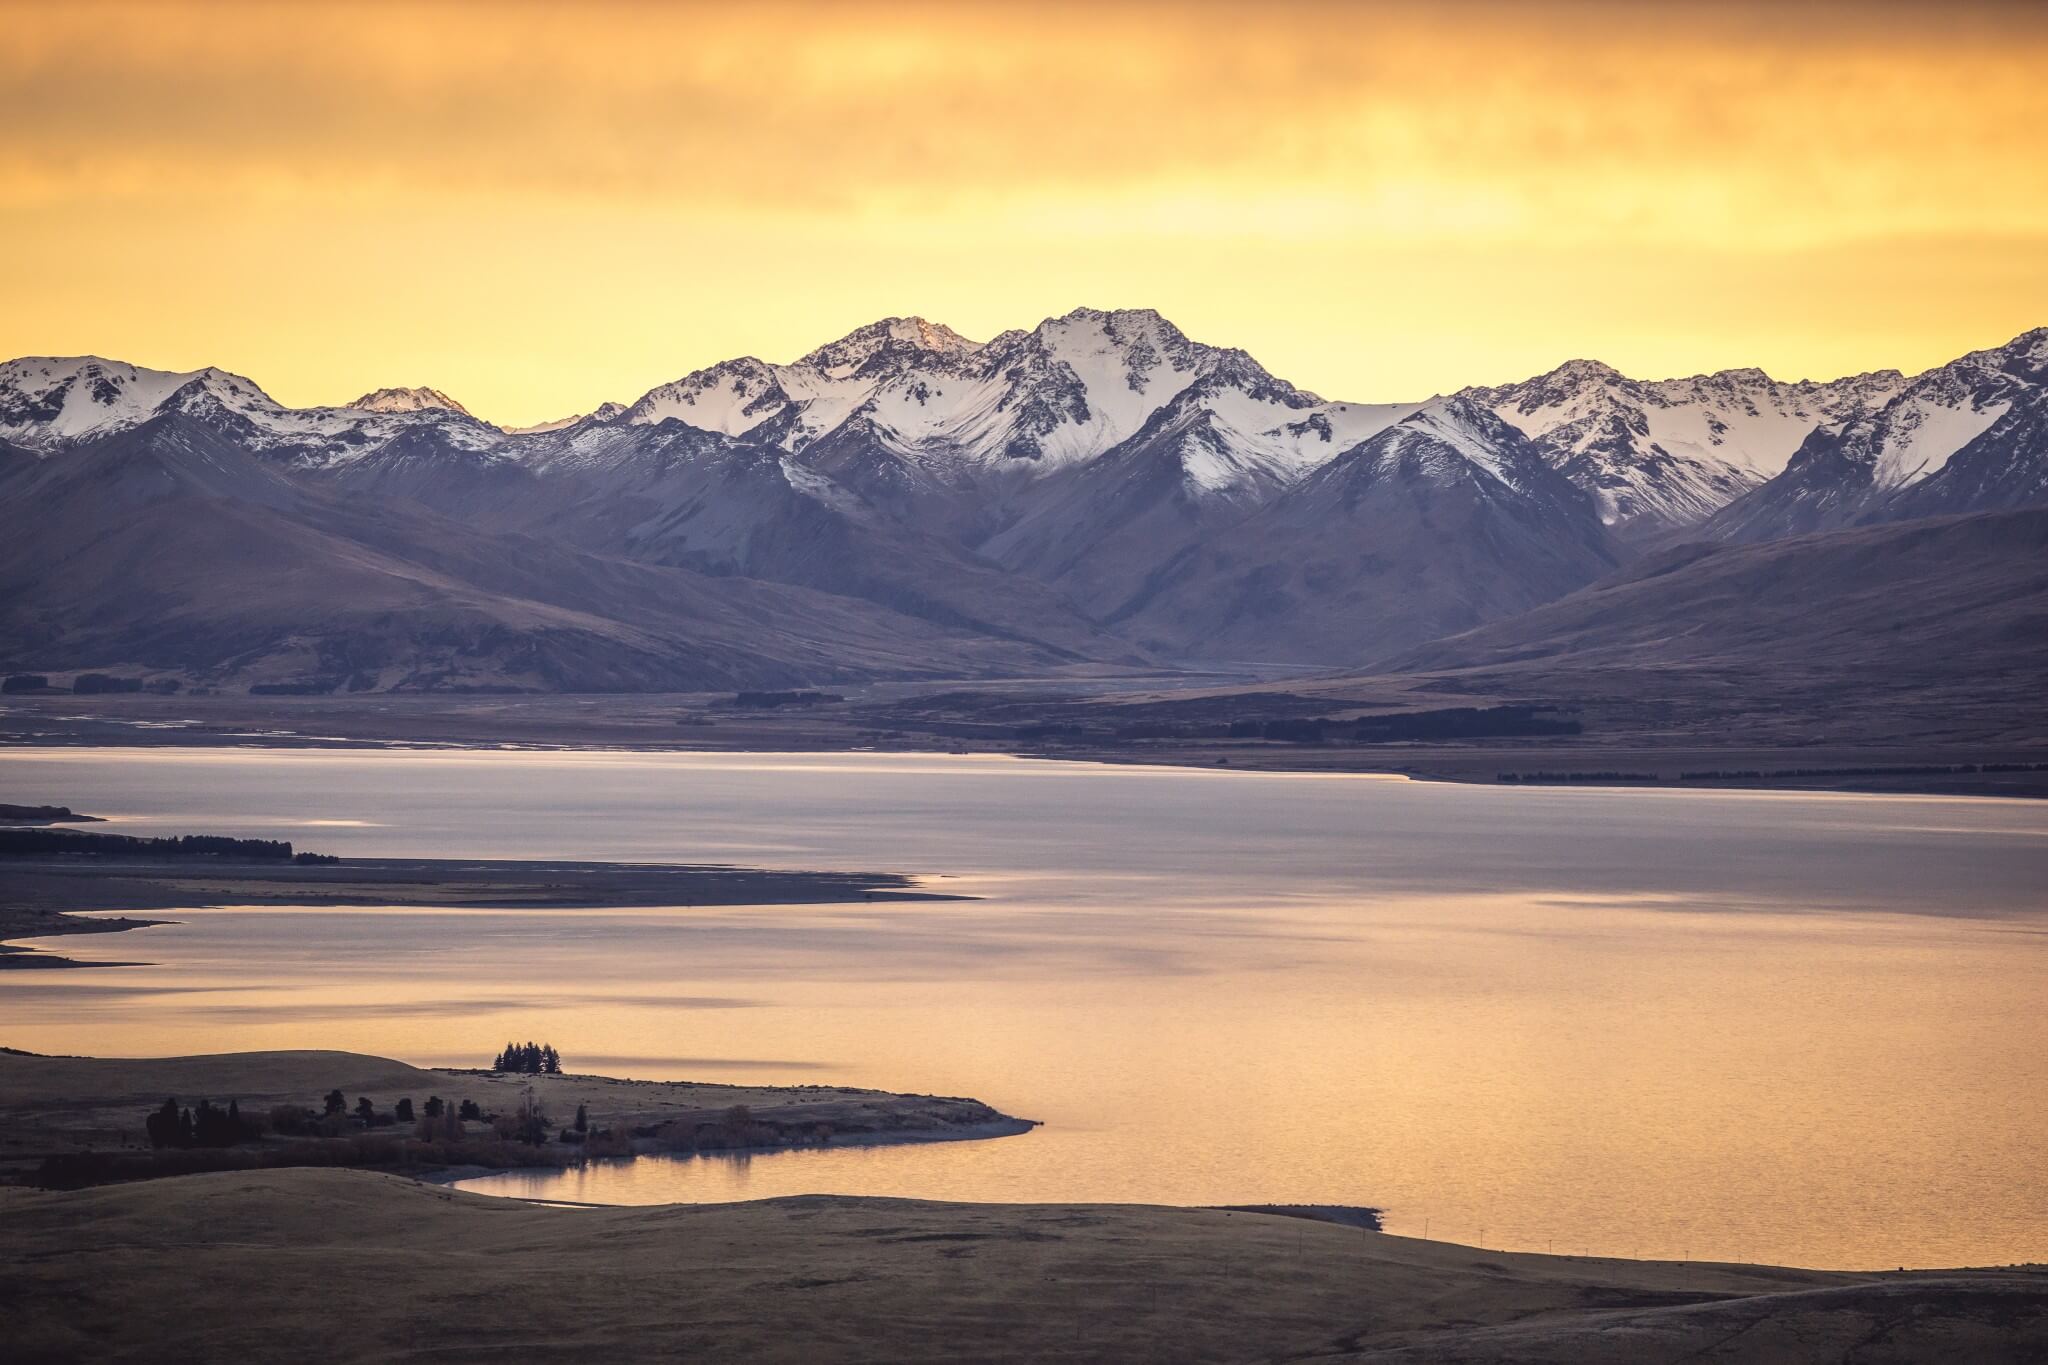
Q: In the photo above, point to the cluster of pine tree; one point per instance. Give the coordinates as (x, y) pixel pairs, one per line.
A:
(531, 1059)
(204, 1126)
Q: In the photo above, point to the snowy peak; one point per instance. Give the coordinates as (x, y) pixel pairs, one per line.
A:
(1451, 439)
(1669, 452)
(1580, 374)
(2024, 358)
(1742, 418)
(891, 345)
(408, 400)
(1238, 428)
(1032, 401)
(904, 406)
(1968, 436)
(1078, 385)
(47, 401)
(49, 404)
(731, 398)
(1937, 416)
(603, 412)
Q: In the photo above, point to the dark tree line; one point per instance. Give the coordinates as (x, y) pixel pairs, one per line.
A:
(206, 1126)
(202, 1126)
(768, 701)
(31, 843)
(1447, 723)
(529, 1059)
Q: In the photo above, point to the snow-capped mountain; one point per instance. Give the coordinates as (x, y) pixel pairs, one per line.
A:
(1093, 482)
(603, 412)
(801, 401)
(1968, 436)
(1215, 454)
(408, 400)
(168, 548)
(1061, 393)
(1077, 452)
(1447, 518)
(49, 402)
(885, 347)
(1658, 454)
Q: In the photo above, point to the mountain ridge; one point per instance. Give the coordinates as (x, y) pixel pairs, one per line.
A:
(1100, 487)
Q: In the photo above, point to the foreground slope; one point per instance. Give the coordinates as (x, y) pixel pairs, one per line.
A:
(355, 1266)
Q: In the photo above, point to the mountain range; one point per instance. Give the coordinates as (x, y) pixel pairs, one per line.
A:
(1099, 491)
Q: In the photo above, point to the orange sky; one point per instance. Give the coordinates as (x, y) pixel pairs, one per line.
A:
(540, 208)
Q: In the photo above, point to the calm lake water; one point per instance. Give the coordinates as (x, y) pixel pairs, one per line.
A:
(1804, 1029)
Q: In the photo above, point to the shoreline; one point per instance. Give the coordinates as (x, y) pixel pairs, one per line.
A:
(2015, 772)
(81, 1118)
(50, 897)
(1003, 1127)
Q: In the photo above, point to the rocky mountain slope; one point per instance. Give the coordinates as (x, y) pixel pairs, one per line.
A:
(1661, 454)
(168, 549)
(1447, 518)
(1099, 488)
(1962, 594)
(1968, 436)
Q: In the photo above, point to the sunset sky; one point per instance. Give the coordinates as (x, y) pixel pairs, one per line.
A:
(538, 209)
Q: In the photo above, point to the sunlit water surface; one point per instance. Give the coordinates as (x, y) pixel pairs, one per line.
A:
(1806, 1029)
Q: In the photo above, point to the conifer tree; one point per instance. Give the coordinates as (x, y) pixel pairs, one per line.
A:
(162, 1125)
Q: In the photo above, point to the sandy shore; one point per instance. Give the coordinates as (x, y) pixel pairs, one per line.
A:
(39, 895)
(342, 1265)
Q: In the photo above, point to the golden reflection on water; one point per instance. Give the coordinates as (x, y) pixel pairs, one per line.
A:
(1714, 1063)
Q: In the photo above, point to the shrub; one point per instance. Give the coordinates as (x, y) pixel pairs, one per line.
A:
(608, 1142)
(527, 1124)
(439, 1125)
(92, 684)
(293, 1120)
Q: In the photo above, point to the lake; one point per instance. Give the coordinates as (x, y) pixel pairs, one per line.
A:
(1809, 1029)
